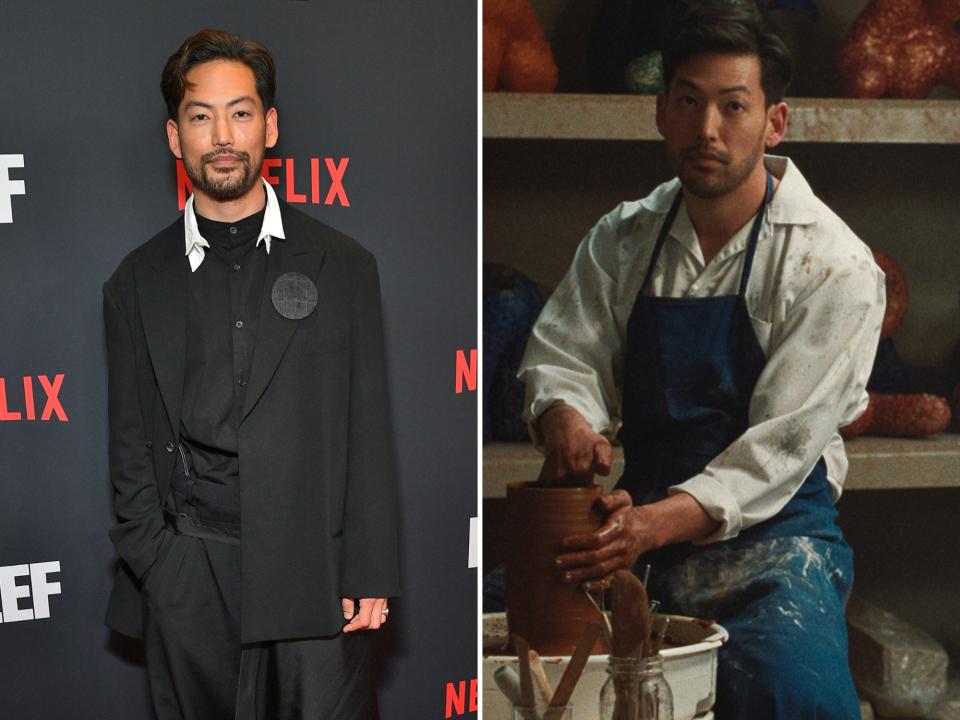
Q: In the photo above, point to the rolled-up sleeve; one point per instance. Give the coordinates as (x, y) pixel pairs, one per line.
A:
(570, 356)
(818, 362)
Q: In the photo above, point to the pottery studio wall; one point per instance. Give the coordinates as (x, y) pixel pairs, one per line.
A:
(541, 197)
(86, 176)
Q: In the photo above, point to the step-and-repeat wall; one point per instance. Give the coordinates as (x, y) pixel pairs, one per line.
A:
(378, 137)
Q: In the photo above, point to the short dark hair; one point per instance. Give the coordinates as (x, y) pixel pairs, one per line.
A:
(208, 45)
(719, 27)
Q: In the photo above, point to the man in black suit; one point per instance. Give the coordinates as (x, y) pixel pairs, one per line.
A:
(250, 443)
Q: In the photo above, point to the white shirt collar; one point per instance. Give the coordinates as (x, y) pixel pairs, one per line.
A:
(793, 203)
(683, 232)
(195, 242)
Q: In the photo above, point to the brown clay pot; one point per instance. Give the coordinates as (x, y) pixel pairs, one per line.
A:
(544, 610)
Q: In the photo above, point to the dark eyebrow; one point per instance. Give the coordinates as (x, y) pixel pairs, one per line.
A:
(199, 103)
(687, 83)
(692, 85)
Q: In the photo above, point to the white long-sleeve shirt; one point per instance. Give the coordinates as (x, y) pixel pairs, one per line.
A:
(815, 298)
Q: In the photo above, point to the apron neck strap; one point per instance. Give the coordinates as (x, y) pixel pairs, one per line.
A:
(661, 237)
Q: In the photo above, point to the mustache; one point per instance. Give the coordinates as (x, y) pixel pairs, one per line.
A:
(209, 157)
(696, 151)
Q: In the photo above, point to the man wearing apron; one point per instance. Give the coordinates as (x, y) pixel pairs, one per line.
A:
(735, 317)
(250, 443)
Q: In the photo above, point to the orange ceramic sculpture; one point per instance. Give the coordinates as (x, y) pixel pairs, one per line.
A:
(901, 49)
(516, 55)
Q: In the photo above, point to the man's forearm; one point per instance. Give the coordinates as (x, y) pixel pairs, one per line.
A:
(678, 518)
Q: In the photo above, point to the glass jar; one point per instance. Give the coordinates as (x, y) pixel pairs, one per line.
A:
(636, 690)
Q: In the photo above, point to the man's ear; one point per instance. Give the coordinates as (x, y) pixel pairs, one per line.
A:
(173, 138)
(273, 130)
(776, 124)
(661, 104)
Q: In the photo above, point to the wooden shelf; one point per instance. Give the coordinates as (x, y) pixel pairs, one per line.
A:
(566, 116)
(875, 464)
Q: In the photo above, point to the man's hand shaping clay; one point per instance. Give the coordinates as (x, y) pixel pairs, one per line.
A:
(627, 533)
(574, 452)
(624, 536)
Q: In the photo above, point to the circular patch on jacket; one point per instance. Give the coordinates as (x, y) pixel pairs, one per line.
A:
(294, 295)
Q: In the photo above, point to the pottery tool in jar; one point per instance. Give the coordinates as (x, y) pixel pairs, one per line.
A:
(561, 696)
(632, 621)
(508, 681)
(532, 673)
(540, 677)
(631, 633)
(526, 682)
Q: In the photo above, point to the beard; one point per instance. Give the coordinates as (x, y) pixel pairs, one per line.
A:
(223, 184)
(725, 177)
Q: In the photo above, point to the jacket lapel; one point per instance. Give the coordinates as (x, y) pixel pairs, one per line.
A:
(162, 289)
(274, 331)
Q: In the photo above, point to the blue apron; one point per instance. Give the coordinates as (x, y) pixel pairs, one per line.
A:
(780, 587)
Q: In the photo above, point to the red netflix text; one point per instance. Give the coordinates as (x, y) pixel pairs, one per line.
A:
(465, 372)
(457, 700)
(325, 185)
(20, 404)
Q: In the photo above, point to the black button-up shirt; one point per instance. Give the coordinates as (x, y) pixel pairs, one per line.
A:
(223, 304)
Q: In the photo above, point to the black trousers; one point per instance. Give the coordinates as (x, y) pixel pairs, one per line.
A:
(197, 668)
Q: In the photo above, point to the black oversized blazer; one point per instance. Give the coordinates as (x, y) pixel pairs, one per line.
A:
(318, 489)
